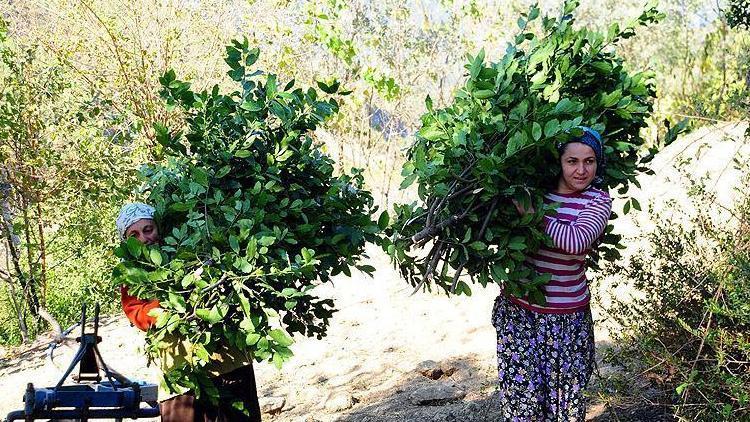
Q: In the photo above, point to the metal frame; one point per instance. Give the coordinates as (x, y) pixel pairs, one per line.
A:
(116, 398)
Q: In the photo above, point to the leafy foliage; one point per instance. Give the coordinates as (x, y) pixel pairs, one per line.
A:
(252, 217)
(689, 322)
(59, 175)
(738, 14)
(496, 143)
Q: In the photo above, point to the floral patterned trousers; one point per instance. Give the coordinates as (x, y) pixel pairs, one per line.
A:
(544, 363)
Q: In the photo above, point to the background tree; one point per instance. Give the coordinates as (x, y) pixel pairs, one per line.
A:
(57, 170)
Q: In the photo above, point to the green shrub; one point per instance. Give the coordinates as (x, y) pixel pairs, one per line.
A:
(738, 14)
(689, 321)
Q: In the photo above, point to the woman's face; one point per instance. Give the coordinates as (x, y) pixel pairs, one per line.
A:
(578, 163)
(144, 230)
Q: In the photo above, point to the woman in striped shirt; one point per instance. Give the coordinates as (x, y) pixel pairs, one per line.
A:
(546, 351)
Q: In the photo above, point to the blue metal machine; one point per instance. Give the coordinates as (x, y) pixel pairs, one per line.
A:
(90, 398)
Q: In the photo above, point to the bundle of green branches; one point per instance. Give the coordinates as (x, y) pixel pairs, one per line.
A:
(252, 219)
(496, 142)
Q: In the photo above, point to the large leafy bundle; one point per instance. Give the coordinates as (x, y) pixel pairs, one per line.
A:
(252, 217)
(496, 142)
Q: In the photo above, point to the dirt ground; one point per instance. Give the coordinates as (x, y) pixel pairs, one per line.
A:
(370, 366)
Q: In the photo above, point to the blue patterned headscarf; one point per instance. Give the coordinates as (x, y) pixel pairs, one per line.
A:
(593, 139)
(131, 213)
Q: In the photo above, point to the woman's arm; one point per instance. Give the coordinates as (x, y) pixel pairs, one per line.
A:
(577, 237)
(137, 309)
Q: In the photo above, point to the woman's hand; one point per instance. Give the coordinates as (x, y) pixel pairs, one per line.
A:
(521, 210)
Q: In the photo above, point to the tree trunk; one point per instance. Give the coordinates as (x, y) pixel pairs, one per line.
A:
(13, 242)
(29, 288)
(42, 256)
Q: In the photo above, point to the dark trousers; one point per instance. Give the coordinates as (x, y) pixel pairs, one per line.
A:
(239, 383)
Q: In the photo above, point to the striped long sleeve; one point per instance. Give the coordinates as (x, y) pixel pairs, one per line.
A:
(578, 236)
(579, 221)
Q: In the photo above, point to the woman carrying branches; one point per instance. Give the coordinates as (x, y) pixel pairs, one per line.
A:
(546, 352)
(233, 374)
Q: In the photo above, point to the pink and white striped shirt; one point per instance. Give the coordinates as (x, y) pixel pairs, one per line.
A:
(579, 222)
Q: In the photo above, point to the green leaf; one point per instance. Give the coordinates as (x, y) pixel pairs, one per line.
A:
(383, 220)
(180, 207)
(431, 133)
(608, 100)
(252, 248)
(566, 106)
(289, 291)
(285, 156)
(498, 273)
(223, 171)
(201, 352)
(267, 240)
(234, 243)
(252, 105)
(428, 103)
(467, 236)
(329, 89)
(216, 314)
(476, 64)
(463, 288)
(536, 131)
(277, 360)
(515, 143)
(483, 94)
(252, 338)
(307, 254)
(187, 280)
(368, 269)
(155, 257)
(280, 337)
(680, 388)
(602, 67)
(408, 181)
(204, 314)
(134, 246)
(200, 176)
(537, 297)
(271, 87)
(252, 56)
(478, 246)
(517, 244)
(242, 264)
(533, 13)
(237, 74)
(177, 302)
(551, 128)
